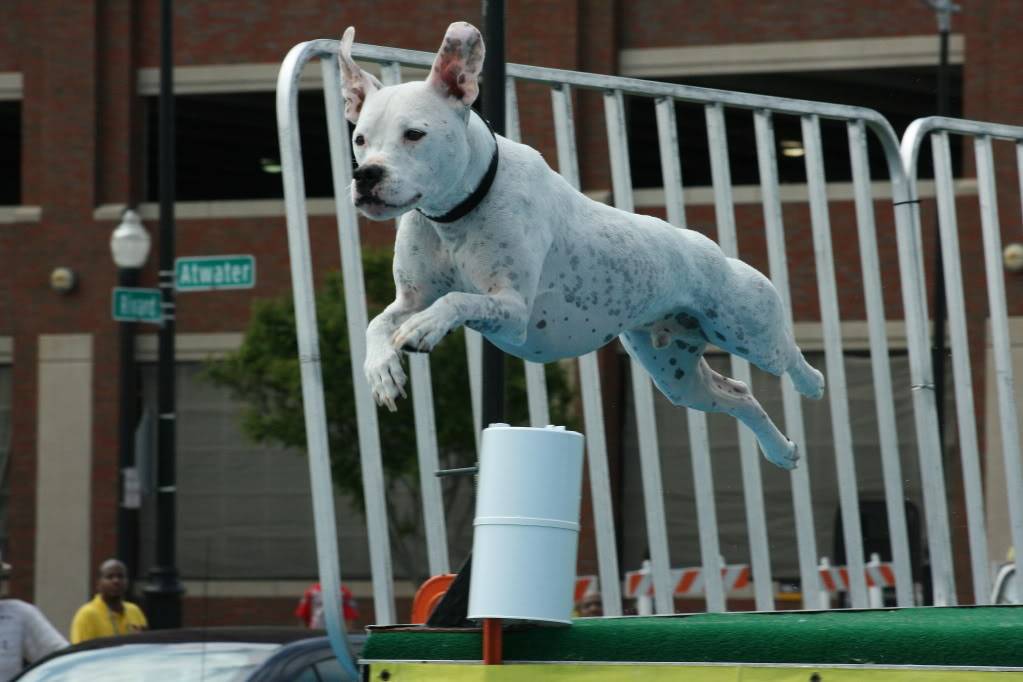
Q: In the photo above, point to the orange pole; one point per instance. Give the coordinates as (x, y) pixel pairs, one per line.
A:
(492, 641)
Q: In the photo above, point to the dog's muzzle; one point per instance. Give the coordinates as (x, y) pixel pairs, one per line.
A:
(367, 178)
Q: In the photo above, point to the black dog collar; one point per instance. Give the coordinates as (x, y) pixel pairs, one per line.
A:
(474, 199)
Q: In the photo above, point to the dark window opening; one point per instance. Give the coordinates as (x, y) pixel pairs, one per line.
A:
(227, 147)
(899, 94)
(10, 153)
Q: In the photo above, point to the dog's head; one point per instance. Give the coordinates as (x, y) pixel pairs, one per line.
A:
(410, 139)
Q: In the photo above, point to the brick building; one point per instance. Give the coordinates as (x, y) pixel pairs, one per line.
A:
(78, 83)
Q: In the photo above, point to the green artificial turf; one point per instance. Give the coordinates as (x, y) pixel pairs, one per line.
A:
(956, 636)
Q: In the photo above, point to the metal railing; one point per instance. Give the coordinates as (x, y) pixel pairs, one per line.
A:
(763, 110)
(983, 135)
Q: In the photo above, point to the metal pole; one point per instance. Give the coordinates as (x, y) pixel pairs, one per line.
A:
(127, 517)
(493, 110)
(944, 9)
(493, 358)
(164, 591)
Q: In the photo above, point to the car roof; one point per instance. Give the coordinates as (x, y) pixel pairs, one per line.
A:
(253, 634)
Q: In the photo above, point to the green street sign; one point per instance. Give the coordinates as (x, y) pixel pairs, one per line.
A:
(206, 273)
(137, 305)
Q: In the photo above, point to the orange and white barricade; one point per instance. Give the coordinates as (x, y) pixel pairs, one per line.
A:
(585, 585)
(879, 574)
(688, 582)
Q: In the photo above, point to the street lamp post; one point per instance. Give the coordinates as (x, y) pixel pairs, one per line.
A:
(129, 245)
(164, 591)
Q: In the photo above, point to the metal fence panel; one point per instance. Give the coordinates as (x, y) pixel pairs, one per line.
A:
(983, 133)
(860, 122)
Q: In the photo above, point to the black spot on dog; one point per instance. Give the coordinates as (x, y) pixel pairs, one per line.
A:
(608, 337)
(673, 362)
(742, 349)
(682, 345)
(541, 324)
(720, 336)
(679, 374)
(711, 313)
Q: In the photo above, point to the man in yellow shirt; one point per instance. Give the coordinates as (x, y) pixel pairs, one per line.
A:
(108, 613)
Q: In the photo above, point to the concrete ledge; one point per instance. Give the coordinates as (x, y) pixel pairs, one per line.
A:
(20, 214)
(795, 55)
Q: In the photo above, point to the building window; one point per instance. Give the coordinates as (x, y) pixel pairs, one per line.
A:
(227, 148)
(10, 153)
(244, 511)
(899, 94)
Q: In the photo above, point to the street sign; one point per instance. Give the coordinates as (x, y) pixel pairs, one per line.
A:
(131, 304)
(206, 273)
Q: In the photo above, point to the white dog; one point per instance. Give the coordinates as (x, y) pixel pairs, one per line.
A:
(492, 238)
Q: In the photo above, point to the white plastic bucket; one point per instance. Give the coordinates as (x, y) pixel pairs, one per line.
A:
(526, 531)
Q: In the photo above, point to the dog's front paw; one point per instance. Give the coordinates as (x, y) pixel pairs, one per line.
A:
(784, 456)
(386, 378)
(424, 330)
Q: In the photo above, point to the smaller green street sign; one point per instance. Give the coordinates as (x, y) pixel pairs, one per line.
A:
(137, 305)
(206, 273)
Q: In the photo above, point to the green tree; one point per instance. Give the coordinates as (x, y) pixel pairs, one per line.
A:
(264, 375)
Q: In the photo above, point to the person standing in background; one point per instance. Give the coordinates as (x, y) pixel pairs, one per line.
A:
(108, 613)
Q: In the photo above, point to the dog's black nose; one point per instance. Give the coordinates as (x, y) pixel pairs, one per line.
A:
(367, 177)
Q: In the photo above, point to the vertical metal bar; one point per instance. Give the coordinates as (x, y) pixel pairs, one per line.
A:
(948, 231)
(390, 73)
(925, 415)
(749, 456)
(707, 518)
(671, 164)
(321, 483)
(474, 358)
(564, 133)
(835, 360)
(426, 429)
(1000, 338)
(536, 381)
(589, 381)
(429, 462)
(802, 506)
(880, 364)
(357, 318)
(646, 426)
(511, 111)
(536, 394)
(600, 485)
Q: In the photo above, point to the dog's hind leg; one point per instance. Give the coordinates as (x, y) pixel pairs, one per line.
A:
(685, 378)
(806, 379)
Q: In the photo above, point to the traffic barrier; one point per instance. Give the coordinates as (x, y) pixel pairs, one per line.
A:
(585, 585)
(687, 582)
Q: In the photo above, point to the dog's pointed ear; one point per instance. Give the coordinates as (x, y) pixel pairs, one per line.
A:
(356, 84)
(456, 69)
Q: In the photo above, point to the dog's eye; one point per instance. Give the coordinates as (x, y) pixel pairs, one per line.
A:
(412, 134)
(360, 140)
